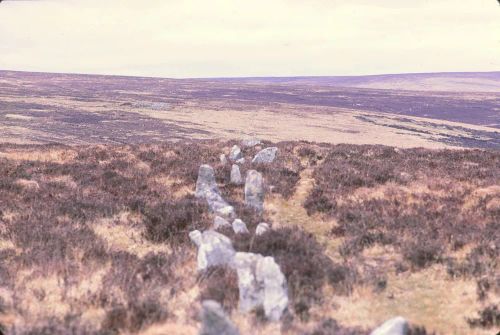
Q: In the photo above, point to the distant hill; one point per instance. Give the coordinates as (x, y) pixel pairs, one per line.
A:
(445, 81)
(96, 109)
(461, 82)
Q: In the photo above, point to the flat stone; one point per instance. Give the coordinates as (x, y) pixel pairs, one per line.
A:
(219, 206)
(265, 156)
(248, 143)
(206, 188)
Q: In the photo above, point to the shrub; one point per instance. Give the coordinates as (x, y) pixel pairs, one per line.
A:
(173, 220)
(141, 280)
(318, 202)
(220, 284)
(488, 317)
(418, 330)
(136, 315)
(423, 253)
(331, 326)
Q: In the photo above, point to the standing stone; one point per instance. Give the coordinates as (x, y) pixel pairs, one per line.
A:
(235, 153)
(213, 248)
(262, 228)
(250, 292)
(206, 188)
(265, 156)
(223, 159)
(240, 227)
(236, 175)
(254, 190)
(275, 300)
(215, 321)
(206, 181)
(261, 284)
(220, 222)
(248, 143)
(394, 326)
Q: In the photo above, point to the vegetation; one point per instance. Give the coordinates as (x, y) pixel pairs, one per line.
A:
(93, 239)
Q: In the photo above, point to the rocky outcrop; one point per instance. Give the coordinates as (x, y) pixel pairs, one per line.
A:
(240, 227)
(213, 248)
(235, 153)
(206, 188)
(265, 156)
(394, 326)
(236, 175)
(214, 321)
(261, 284)
(254, 190)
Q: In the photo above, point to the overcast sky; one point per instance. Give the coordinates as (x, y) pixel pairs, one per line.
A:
(214, 38)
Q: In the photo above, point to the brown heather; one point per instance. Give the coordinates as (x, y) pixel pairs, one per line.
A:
(93, 239)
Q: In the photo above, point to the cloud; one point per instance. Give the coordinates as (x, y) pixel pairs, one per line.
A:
(259, 37)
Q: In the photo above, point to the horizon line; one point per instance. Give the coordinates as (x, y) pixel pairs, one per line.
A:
(253, 77)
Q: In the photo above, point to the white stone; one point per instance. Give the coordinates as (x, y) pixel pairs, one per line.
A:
(261, 284)
(394, 326)
(254, 190)
(206, 188)
(196, 237)
(235, 153)
(236, 175)
(206, 181)
(213, 249)
(220, 222)
(261, 228)
(240, 227)
(252, 142)
(275, 287)
(265, 156)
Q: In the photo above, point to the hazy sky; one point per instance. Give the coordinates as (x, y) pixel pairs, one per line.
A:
(208, 38)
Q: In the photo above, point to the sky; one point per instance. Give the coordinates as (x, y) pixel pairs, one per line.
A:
(232, 38)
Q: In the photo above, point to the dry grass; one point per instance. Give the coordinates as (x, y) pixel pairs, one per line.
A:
(426, 297)
(47, 155)
(125, 233)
